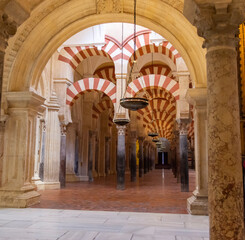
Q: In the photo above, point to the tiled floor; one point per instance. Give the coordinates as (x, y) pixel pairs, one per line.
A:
(156, 192)
(99, 225)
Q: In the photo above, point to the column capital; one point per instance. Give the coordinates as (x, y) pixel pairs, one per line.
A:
(217, 22)
(63, 128)
(121, 130)
(183, 126)
(197, 97)
(22, 100)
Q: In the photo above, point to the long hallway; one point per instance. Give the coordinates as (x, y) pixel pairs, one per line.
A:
(156, 192)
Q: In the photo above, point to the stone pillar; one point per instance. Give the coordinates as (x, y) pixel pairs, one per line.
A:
(62, 176)
(42, 157)
(70, 153)
(52, 147)
(38, 149)
(141, 156)
(19, 150)
(121, 158)
(90, 157)
(218, 24)
(133, 155)
(183, 149)
(145, 158)
(107, 155)
(2, 128)
(198, 203)
(177, 153)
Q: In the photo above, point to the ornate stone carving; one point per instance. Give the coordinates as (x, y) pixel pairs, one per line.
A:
(108, 6)
(219, 25)
(121, 130)
(7, 29)
(183, 125)
(63, 129)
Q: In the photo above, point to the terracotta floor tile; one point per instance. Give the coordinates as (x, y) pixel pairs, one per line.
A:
(151, 193)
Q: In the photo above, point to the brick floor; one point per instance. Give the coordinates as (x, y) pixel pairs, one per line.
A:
(152, 193)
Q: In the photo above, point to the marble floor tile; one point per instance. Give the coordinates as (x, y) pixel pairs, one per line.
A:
(87, 225)
(79, 235)
(114, 236)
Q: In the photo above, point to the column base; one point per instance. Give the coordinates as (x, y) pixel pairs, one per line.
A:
(72, 177)
(197, 205)
(83, 178)
(19, 198)
(48, 185)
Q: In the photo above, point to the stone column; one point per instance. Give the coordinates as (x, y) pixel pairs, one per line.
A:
(62, 176)
(183, 150)
(198, 203)
(70, 153)
(141, 156)
(121, 158)
(145, 158)
(218, 25)
(19, 150)
(90, 157)
(107, 155)
(38, 149)
(42, 157)
(133, 155)
(52, 147)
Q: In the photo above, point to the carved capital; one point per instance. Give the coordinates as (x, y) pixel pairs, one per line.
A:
(108, 6)
(218, 25)
(183, 125)
(121, 130)
(63, 129)
(7, 29)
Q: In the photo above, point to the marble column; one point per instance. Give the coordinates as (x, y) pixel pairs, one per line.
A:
(121, 158)
(52, 146)
(107, 155)
(70, 153)
(183, 150)
(133, 155)
(38, 149)
(62, 176)
(141, 156)
(145, 158)
(90, 157)
(198, 202)
(42, 157)
(17, 189)
(218, 25)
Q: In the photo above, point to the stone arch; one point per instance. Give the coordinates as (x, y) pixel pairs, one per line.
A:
(158, 81)
(72, 17)
(75, 55)
(166, 49)
(86, 84)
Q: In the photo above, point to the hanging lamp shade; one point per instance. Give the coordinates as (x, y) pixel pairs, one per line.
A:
(134, 104)
(152, 134)
(121, 121)
(156, 140)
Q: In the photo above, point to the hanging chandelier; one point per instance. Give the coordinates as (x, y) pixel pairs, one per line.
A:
(134, 103)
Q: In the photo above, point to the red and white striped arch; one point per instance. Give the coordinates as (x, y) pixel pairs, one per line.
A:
(166, 49)
(106, 73)
(153, 81)
(96, 84)
(157, 69)
(75, 55)
(101, 107)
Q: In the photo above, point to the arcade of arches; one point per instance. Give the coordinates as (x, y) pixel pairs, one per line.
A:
(65, 65)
